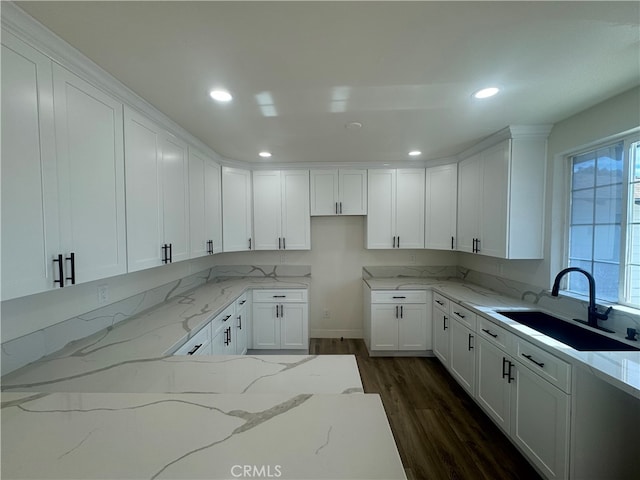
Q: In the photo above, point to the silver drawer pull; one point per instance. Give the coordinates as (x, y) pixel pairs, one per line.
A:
(530, 358)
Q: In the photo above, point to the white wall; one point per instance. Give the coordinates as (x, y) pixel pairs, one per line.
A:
(336, 258)
(616, 115)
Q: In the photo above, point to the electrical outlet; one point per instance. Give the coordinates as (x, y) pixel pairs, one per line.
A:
(412, 258)
(282, 257)
(103, 294)
(326, 314)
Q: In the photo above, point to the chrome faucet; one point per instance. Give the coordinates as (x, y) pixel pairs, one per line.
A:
(592, 311)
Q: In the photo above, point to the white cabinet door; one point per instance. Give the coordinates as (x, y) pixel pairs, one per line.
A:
(323, 192)
(29, 187)
(241, 327)
(294, 322)
(441, 207)
(540, 422)
(236, 210)
(267, 210)
(441, 329)
(175, 197)
(469, 200)
(494, 383)
(90, 153)
(463, 355)
(281, 210)
(205, 207)
(494, 196)
(382, 206)
(295, 217)
(352, 188)
(412, 327)
(143, 169)
(338, 192)
(266, 326)
(384, 327)
(409, 213)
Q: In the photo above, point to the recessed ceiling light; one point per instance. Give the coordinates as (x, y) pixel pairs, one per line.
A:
(220, 95)
(486, 92)
(415, 153)
(353, 125)
(265, 154)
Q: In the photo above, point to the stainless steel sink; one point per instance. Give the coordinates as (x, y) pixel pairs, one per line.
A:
(572, 335)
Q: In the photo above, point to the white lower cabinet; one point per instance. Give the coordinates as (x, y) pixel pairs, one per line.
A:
(463, 355)
(441, 328)
(280, 320)
(398, 321)
(532, 411)
(241, 325)
(199, 344)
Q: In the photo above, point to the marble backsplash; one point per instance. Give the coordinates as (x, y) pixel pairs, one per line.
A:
(29, 348)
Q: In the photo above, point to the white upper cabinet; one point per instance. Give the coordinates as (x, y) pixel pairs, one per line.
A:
(236, 210)
(157, 194)
(281, 210)
(90, 156)
(29, 187)
(62, 176)
(205, 208)
(501, 197)
(396, 202)
(441, 207)
(338, 192)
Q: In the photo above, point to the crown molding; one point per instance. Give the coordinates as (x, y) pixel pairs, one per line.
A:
(509, 132)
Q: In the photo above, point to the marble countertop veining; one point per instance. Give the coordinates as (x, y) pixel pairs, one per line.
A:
(115, 405)
(620, 369)
(298, 436)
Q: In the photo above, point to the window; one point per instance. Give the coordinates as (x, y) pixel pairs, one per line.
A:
(604, 221)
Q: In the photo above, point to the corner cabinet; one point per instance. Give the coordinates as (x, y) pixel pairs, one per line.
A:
(63, 197)
(501, 192)
(157, 194)
(205, 206)
(396, 202)
(281, 210)
(338, 192)
(397, 321)
(280, 320)
(236, 210)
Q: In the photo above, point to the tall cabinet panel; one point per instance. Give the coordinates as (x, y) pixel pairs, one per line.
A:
(468, 203)
(29, 188)
(90, 154)
(175, 197)
(395, 208)
(144, 192)
(205, 208)
(236, 210)
(441, 207)
(281, 210)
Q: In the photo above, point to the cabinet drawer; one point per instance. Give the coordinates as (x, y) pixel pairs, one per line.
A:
(494, 333)
(241, 301)
(222, 319)
(280, 296)
(549, 367)
(463, 315)
(440, 302)
(197, 343)
(399, 296)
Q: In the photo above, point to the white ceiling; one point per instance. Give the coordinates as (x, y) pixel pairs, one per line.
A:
(299, 71)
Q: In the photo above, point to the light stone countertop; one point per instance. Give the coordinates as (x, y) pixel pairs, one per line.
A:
(114, 405)
(620, 369)
(289, 436)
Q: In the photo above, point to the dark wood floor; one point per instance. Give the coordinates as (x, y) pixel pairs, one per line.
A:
(440, 432)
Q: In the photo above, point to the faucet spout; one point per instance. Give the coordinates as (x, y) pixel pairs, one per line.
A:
(592, 311)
